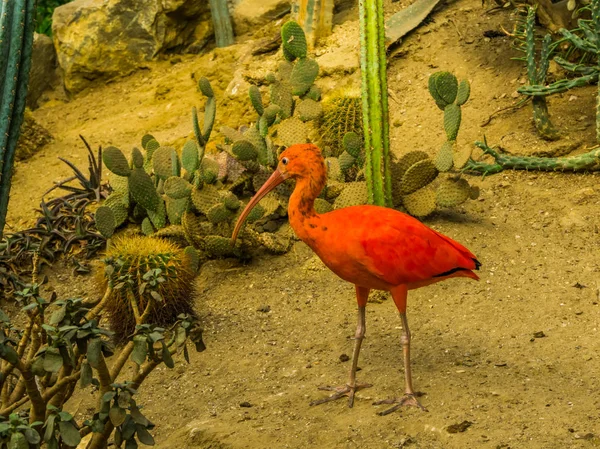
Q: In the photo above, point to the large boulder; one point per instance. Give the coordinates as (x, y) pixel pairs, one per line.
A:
(250, 15)
(43, 67)
(107, 38)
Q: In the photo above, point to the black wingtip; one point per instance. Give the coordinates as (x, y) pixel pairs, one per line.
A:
(477, 263)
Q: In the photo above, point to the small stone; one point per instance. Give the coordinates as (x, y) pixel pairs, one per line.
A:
(264, 309)
(459, 428)
(539, 334)
(245, 404)
(270, 226)
(344, 358)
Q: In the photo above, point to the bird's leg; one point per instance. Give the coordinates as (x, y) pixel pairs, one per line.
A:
(351, 387)
(409, 398)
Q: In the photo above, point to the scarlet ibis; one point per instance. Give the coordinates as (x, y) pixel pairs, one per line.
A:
(373, 247)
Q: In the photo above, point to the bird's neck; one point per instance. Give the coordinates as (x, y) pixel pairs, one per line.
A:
(301, 209)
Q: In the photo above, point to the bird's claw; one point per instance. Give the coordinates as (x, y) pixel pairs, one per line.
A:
(344, 390)
(409, 399)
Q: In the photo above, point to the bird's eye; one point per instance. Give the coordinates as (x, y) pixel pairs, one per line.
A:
(284, 161)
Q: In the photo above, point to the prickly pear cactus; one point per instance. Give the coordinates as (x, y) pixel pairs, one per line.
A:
(415, 172)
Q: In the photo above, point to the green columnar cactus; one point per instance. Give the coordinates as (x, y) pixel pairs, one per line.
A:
(536, 73)
(586, 162)
(315, 17)
(595, 38)
(373, 64)
(17, 23)
(222, 22)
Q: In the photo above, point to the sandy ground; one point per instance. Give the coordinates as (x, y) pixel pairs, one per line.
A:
(513, 354)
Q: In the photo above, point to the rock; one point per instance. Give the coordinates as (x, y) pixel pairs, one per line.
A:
(342, 60)
(43, 67)
(33, 137)
(249, 15)
(107, 38)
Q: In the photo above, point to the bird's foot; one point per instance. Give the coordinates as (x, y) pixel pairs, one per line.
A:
(344, 390)
(409, 399)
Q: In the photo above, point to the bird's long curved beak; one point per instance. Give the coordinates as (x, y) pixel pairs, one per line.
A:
(276, 178)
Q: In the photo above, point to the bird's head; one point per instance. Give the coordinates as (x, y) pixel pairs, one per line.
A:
(302, 161)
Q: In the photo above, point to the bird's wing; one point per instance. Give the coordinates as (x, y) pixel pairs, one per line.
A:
(404, 251)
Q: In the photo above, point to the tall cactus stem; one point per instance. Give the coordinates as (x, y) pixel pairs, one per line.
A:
(315, 17)
(596, 20)
(374, 99)
(222, 22)
(16, 44)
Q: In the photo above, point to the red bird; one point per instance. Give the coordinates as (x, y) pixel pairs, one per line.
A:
(373, 247)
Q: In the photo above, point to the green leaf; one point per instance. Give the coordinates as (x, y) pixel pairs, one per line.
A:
(86, 375)
(166, 356)
(117, 415)
(108, 396)
(156, 336)
(144, 436)
(58, 316)
(140, 349)
(4, 317)
(65, 416)
(186, 354)
(37, 367)
(69, 433)
(94, 352)
(131, 444)
(124, 399)
(138, 417)
(9, 354)
(18, 441)
(32, 436)
(52, 444)
(31, 306)
(4, 426)
(49, 432)
(157, 297)
(53, 361)
(118, 437)
(128, 429)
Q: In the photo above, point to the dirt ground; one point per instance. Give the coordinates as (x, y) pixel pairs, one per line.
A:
(514, 354)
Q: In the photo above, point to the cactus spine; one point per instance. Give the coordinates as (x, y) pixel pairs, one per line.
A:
(16, 43)
(315, 17)
(374, 102)
(221, 22)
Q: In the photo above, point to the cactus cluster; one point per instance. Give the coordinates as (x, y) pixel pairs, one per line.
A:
(415, 171)
(129, 259)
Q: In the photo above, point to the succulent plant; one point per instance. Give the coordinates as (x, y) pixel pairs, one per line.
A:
(342, 114)
(134, 256)
(415, 171)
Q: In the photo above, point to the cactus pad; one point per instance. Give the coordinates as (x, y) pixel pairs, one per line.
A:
(322, 206)
(203, 199)
(445, 157)
(293, 41)
(314, 93)
(118, 203)
(115, 161)
(292, 131)
(147, 228)
(309, 110)
(462, 155)
(209, 169)
(142, 189)
(162, 162)
(451, 192)
(464, 91)
(443, 87)
(219, 213)
(146, 139)
(474, 192)
(256, 99)
(189, 156)
(452, 115)
(420, 203)
(354, 194)
(346, 161)
(231, 201)
(177, 188)
(218, 246)
(352, 143)
(176, 209)
(159, 216)
(137, 158)
(105, 221)
(334, 170)
(407, 161)
(303, 75)
(205, 87)
(418, 175)
(244, 150)
(281, 95)
(231, 135)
